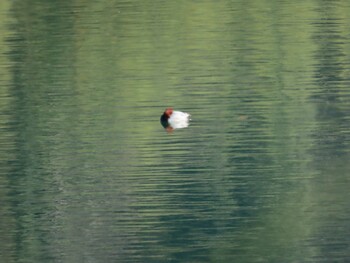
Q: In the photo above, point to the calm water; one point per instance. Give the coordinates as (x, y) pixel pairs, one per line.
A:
(88, 174)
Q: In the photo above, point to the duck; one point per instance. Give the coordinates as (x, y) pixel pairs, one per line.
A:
(172, 119)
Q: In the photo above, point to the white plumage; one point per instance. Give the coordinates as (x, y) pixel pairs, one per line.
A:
(174, 119)
(179, 119)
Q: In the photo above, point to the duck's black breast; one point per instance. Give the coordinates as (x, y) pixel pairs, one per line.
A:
(164, 120)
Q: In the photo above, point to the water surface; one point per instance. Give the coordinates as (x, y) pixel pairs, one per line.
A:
(88, 174)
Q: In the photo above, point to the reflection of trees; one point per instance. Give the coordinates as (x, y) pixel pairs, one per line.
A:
(237, 187)
(253, 163)
(7, 222)
(330, 151)
(39, 59)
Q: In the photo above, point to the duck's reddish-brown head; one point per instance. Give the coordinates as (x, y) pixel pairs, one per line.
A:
(168, 112)
(165, 116)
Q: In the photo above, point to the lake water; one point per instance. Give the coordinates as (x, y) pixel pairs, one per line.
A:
(88, 174)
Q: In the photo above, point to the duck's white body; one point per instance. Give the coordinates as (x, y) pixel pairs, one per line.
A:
(179, 119)
(174, 119)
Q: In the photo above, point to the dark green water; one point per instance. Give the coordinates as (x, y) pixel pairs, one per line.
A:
(88, 174)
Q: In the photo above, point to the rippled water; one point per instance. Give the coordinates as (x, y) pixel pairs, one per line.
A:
(88, 174)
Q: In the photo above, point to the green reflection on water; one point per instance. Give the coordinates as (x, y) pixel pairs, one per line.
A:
(88, 174)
